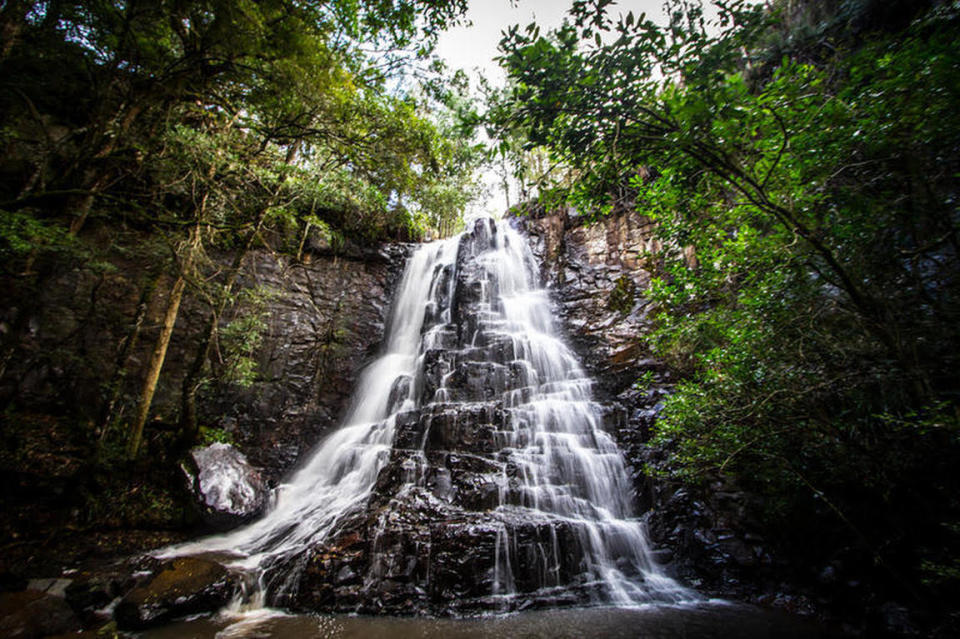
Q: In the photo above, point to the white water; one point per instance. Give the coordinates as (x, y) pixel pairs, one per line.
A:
(569, 470)
(339, 476)
(564, 468)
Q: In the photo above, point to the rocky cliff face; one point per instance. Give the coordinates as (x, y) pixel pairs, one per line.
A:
(324, 320)
(597, 274)
(325, 323)
(66, 483)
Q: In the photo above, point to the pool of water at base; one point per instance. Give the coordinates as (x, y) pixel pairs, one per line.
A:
(714, 620)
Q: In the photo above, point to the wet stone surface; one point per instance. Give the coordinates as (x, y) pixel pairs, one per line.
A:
(227, 490)
(499, 456)
(31, 614)
(181, 587)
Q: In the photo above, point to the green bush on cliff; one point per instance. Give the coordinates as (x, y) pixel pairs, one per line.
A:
(623, 294)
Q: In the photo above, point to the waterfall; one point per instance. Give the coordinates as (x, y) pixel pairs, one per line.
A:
(473, 440)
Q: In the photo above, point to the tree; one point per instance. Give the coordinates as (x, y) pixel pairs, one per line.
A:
(205, 122)
(816, 332)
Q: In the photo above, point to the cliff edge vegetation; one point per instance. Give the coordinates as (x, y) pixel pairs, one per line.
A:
(799, 162)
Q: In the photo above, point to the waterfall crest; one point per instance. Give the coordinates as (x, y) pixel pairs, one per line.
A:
(472, 470)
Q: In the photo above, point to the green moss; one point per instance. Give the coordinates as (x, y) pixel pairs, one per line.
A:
(622, 296)
(211, 435)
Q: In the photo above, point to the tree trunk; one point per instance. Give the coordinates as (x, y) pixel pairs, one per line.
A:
(160, 348)
(97, 178)
(189, 427)
(115, 386)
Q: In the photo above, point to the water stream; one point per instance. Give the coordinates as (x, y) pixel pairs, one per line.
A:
(473, 369)
(705, 621)
(340, 474)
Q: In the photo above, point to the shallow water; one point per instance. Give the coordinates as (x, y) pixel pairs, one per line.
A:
(703, 621)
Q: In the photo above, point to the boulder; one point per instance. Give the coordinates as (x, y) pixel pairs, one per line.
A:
(33, 613)
(183, 586)
(90, 593)
(227, 490)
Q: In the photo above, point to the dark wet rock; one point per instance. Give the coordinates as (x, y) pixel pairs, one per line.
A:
(226, 489)
(51, 586)
(346, 575)
(897, 619)
(91, 594)
(31, 614)
(598, 274)
(11, 582)
(828, 575)
(462, 427)
(329, 577)
(399, 393)
(408, 432)
(427, 556)
(708, 535)
(184, 586)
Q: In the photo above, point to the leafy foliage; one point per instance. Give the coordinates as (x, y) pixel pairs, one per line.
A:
(806, 200)
(241, 337)
(171, 133)
(264, 88)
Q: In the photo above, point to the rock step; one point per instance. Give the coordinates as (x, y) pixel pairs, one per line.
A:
(183, 586)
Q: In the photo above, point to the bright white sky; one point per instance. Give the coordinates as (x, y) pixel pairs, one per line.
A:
(476, 46)
(473, 49)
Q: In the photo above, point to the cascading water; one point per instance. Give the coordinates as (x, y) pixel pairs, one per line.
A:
(343, 469)
(472, 470)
